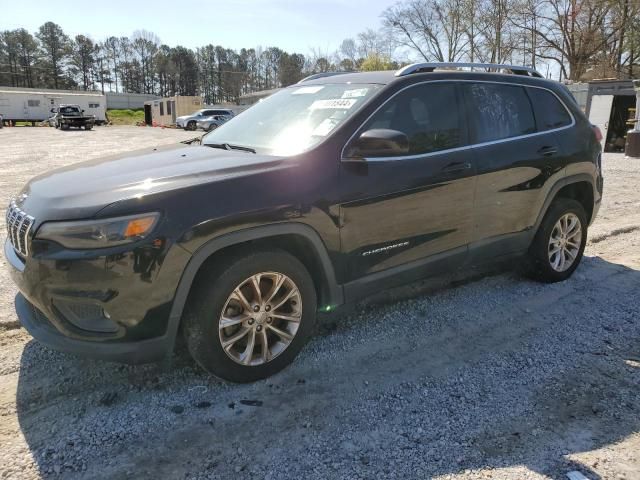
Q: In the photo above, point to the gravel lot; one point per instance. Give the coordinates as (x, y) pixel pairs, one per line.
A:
(489, 377)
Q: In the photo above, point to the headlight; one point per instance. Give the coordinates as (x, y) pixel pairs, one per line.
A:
(102, 233)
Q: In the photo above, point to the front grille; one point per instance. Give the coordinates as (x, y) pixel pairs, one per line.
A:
(18, 228)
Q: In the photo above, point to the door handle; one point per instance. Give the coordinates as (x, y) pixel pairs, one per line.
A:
(547, 151)
(456, 167)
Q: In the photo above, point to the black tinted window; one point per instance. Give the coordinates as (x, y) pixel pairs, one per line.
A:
(427, 114)
(550, 113)
(499, 111)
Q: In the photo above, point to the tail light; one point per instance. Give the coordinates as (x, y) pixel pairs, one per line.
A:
(597, 132)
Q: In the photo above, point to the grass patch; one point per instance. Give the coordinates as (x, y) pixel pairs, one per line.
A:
(125, 117)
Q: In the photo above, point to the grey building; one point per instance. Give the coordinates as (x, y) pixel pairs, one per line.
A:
(127, 101)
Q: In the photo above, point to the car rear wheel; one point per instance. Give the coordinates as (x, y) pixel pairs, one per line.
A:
(88, 127)
(559, 243)
(248, 318)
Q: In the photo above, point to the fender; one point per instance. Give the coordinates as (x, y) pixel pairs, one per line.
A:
(563, 182)
(335, 293)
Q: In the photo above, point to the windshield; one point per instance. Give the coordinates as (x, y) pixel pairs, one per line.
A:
(69, 110)
(294, 119)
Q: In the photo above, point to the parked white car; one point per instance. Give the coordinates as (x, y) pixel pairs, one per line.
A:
(190, 122)
(211, 123)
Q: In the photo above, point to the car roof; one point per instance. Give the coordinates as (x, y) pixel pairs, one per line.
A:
(389, 77)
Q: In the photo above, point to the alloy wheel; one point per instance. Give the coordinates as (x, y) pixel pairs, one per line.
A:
(260, 318)
(565, 242)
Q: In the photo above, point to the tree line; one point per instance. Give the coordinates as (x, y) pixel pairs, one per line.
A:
(570, 37)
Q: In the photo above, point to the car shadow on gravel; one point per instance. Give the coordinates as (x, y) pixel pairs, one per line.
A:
(469, 397)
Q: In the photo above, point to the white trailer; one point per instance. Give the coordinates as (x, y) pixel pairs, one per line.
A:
(35, 104)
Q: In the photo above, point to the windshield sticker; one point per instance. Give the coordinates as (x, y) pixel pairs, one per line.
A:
(355, 93)
(339, 103)
(323, 129)
(307, 90)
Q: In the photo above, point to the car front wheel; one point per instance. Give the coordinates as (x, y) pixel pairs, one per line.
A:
(191, 126)
(559, 243)
(248, 318)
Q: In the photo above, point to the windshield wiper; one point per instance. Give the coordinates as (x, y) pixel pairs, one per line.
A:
(228, 146)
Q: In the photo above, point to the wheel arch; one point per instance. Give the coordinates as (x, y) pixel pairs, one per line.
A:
(580, 187)
(299, 239)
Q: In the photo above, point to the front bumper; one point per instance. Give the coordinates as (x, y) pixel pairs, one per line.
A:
(77, 122)
(35, 322)
(112, 305)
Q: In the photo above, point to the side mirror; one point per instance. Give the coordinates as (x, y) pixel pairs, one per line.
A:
(81, 111)
(379, 142)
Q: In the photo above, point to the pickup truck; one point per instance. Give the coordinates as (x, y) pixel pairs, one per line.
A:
(67, 116)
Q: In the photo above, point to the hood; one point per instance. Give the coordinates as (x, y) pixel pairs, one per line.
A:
(83, 189)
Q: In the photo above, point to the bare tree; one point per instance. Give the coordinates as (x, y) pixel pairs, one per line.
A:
(349, 50)
(435, 29)
(626, 18)
(574, 32)
(497, 42)
(526, 20)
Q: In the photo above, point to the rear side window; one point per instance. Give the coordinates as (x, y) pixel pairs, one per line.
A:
(217, 112)
(427, 114)
(550, 112)
(499, 111)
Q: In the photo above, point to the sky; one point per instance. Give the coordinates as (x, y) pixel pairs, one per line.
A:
(292, 25)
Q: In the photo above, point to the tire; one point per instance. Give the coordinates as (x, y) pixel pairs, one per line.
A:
(88, 127)
(542, 264)
(191, 126)
(215, 293)
(64, 126)
(212, 127)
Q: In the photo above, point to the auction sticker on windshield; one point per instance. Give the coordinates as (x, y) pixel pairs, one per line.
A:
(307, 90)
(341, 103)
(355, 93)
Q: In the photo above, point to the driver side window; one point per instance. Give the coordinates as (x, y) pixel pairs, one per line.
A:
(426, 113)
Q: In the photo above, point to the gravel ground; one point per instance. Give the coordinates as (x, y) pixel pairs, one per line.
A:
(492, 376)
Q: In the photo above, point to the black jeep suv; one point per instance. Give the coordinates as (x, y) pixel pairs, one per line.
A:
(327, 191)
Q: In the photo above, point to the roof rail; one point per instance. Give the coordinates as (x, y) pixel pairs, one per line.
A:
(430, 67)
(321, 75)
